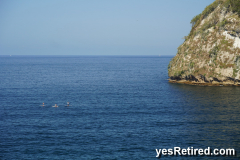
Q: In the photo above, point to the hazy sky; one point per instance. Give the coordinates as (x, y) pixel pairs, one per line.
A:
(95, 27)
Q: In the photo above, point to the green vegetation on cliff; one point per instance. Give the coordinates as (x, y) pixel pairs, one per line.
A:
(229, 5)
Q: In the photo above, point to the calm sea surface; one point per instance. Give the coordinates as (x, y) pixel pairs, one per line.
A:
(120, 108)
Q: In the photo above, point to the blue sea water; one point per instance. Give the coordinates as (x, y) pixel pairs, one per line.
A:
(121, 107)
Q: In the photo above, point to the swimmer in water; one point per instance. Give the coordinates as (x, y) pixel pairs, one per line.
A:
(43, 104)
(67, 103)
(55, 105)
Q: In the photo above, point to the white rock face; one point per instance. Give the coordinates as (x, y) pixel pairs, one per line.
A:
(238, 76)
(228, 72)
(237, 42)
(236, 39)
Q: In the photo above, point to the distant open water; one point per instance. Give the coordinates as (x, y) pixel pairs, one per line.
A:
(122, 107)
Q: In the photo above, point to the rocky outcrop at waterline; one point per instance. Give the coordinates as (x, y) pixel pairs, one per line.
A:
(202, 80)
(210, 54)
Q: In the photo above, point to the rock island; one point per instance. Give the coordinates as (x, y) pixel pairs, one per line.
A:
(210, 54)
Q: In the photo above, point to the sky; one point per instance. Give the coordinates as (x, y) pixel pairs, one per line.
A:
(95, 27)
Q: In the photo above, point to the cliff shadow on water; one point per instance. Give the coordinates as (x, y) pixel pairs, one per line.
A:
(211, 112)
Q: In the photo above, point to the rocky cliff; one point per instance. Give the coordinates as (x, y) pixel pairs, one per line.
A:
(210, 54)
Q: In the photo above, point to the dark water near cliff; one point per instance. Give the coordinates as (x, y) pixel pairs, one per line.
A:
(121, 108)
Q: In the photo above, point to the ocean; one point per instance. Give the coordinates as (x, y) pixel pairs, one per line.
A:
(121, 107)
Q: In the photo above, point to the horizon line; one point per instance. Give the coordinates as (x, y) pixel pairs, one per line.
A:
(80, 55)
